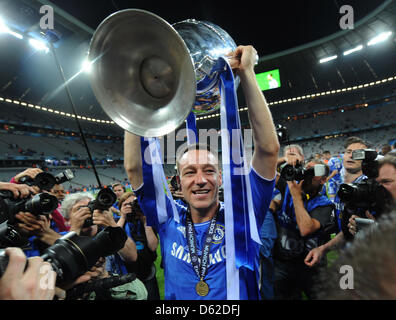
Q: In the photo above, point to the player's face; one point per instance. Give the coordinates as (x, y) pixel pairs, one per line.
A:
(200, 179)
(348, 162)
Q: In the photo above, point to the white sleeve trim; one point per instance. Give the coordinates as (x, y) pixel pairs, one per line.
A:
(252, 168)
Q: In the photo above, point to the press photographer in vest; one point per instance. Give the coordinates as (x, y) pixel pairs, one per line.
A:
(303, 220)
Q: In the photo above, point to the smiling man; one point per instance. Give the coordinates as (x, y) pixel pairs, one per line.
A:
(193, 246)
(353, 174)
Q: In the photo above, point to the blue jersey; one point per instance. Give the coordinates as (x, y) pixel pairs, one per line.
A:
(180, 277)
(333, 184)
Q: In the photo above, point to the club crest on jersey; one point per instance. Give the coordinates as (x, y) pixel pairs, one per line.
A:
(218, 234)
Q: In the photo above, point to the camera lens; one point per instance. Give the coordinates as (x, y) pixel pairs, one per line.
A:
(42, 203)
(72, 255)
(288, 172)
(45, 181)
(346, 192)
(105, 199)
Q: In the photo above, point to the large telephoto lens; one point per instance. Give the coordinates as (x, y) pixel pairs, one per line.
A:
(73, 255)
(42, 203)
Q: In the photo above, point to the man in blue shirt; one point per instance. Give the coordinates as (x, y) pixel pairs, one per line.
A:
(200, 180)
(302, 219)
(353, 174)
(334, 180)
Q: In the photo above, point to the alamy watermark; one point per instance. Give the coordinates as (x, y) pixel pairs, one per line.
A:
(347, 21)
(346, 281)
(238, 141)
(47, 20)
(47, 279)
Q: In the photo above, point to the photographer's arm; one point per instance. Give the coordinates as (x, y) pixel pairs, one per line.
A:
(18, 190)
(105, 218)
(316, 254)
(31, 172)
(133, 160)
(306, 224)
(266, 145)
(129, 252)
(38, 226)
(152, 240)
(20, 284)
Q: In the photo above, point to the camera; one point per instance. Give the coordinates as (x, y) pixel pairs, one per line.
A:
(174, 183)
(136, 210)
(73, 255)
(42, 203)
(298, 172)
(103, 201)
(365, 195)
(46, 181)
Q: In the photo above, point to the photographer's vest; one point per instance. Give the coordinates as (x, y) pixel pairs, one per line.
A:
(290, 244)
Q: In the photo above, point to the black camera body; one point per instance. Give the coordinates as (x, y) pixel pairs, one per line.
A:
(298, 172)
(174, 183)
(73, 255)
(42, 203)
(103, 201)
(46, 181)
(136, 211)
(366, 195)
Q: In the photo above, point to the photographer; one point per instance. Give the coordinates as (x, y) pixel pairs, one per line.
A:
(76, 209)
(50, 184)
(386, 178)
(353, 175)
(119, 190)
(134, 223)
(41, 228)
(302, 220)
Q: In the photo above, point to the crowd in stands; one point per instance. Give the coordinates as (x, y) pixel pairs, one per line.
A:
(289, 271)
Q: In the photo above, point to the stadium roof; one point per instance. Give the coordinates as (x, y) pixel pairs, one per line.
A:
(287, 35)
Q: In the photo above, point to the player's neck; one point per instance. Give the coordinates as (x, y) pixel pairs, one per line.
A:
(203, 215)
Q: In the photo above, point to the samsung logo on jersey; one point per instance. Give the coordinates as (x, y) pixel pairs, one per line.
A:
(180, 252)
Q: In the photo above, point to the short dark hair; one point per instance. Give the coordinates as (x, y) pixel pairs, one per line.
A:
(352, 140)
(194, 146)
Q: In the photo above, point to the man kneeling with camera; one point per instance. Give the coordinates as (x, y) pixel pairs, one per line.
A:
(303, 220)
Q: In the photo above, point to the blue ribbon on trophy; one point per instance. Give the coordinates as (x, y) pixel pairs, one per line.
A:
(157, 186)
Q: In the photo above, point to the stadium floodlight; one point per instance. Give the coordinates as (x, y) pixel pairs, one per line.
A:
(86, 66)
(38, 45)
(380, 38)
(360, 47)
(5, 29)
(328, 59)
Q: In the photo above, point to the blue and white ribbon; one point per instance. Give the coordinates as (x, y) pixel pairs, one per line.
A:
(240, 221)
(156, 186)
